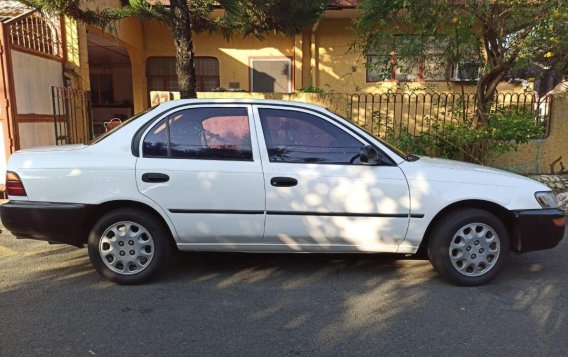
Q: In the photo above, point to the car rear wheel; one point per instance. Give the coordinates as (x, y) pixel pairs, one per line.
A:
(128, 246)
(469, 247)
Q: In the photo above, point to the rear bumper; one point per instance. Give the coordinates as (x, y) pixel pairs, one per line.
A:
(537, 230)
(53, 222)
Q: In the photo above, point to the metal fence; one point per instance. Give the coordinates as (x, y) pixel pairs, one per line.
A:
(396, 113)
(71, 115)
(37, 32)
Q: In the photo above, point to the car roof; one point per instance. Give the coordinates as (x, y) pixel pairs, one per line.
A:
(178, 102)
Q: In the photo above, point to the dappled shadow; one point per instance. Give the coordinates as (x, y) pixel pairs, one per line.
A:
(537, 286)
(233, 303)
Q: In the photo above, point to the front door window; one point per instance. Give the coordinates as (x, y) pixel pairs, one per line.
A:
(298, 137)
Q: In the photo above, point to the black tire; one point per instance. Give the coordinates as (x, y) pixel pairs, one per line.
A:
(472, 265)
(145, 247)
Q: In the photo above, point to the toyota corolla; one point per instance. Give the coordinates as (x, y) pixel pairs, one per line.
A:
(270, 176)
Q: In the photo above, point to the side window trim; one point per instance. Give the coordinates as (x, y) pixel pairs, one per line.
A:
(145, 130)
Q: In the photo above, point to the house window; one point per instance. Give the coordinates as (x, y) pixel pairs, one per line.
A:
(207, 73)
(392, 66)
(161, 74)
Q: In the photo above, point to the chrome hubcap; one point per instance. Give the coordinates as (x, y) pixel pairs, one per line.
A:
(126, 248)
(474, 249)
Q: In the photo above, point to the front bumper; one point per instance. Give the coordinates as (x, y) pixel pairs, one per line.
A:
(536, 229)
(53, 222)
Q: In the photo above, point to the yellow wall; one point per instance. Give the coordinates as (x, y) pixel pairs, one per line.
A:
(335, 68)
(233, 55)
(335, 60)
(548, 155)
(341, 69)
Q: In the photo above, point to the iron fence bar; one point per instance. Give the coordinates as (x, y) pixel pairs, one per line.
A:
(53, 96)
(383, 113)
(72, 115)
(365, 112)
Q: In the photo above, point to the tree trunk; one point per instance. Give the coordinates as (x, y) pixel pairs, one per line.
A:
(181, 28)
(482, 110)
(486, 89)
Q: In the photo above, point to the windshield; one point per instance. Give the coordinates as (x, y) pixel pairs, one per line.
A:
(394, 149)
(106, 134)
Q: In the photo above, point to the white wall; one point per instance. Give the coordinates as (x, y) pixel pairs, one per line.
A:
(33, 78)
(36, 134)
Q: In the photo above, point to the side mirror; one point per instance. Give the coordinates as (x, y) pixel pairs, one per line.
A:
(369, 155)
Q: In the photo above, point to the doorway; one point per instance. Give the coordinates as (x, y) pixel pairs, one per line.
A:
(111, 81)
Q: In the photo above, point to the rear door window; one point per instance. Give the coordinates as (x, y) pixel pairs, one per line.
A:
(202, 133)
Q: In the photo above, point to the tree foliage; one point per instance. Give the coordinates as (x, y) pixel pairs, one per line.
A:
(244, 17)
(500, 35)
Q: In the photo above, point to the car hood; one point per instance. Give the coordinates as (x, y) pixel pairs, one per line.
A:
(53, 148)
(443, 170)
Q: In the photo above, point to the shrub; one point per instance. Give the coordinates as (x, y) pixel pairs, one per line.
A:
(312, 89)
(460, 140)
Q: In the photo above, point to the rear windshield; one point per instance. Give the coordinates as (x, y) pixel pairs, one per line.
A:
(121, 125)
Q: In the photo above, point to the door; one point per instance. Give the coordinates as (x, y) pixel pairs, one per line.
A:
(319, 195)
(202, 165)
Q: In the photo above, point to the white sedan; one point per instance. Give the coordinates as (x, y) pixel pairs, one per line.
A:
(269, 176)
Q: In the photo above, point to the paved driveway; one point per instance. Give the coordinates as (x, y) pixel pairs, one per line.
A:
(53, 303)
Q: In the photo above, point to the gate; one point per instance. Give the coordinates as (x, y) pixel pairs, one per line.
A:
(71, 115)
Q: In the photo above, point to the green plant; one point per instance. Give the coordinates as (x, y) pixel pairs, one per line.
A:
(312, 89)
(407, 142)
(508, 128)
(460, 140)
(400, 136)
(512, 127)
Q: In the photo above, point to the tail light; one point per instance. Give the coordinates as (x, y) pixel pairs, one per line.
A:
(14, 185)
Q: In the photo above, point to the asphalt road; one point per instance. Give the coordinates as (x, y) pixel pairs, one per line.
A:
(53, 303)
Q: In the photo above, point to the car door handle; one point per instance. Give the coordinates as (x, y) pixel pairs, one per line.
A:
(155, 177)
(283, 181)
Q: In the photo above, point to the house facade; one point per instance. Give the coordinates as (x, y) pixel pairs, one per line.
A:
(62, 80)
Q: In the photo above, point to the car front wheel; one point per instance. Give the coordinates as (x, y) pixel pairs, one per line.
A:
(469, 246)
(128, 246)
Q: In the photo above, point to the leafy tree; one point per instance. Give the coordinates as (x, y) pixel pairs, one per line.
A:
(499, 35)
(246, 17)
